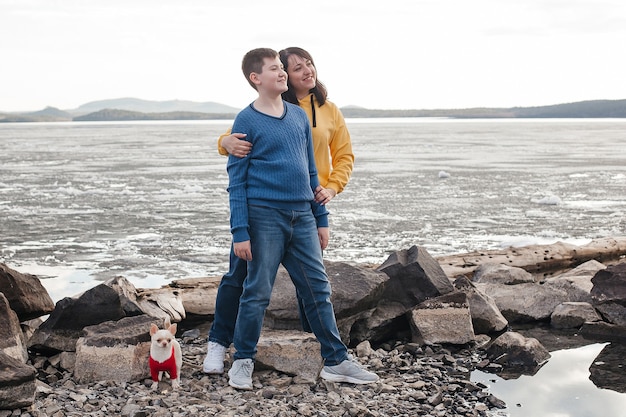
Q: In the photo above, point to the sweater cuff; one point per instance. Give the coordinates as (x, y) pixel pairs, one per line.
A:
(322, 221)
(240, 235)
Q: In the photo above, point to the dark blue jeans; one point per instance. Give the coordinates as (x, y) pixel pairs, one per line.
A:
(227, 303)
(287, 237)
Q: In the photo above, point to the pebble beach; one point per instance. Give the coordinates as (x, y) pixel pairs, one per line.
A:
(425, 381)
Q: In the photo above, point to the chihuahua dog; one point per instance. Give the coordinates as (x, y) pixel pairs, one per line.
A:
(165, 354)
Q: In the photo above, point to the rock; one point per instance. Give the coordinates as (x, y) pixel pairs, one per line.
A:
(609, 293)
(572, 315)
(17, 383)
(492, 273)
(162, 303)
(525, 303)
(414, 277)
(607, 370)
(603, 331)
(198, 294)
(517, 353)
(577, 282)
(580, 277)
(114, 351)
(486, 317)
(11, 337)
(443, 320)
(109, 301)
(364, 349)
(347, 298)
(537, 258)
(291, 352)
(71, 315)
(26, 296)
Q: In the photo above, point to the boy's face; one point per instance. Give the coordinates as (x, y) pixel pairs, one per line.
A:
(272, 77)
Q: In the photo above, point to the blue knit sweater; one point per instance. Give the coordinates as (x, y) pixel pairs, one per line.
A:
(280, 170)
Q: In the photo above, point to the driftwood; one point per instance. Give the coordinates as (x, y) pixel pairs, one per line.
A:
(537, 259)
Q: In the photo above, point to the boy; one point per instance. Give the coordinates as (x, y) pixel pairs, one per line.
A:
(275, 219)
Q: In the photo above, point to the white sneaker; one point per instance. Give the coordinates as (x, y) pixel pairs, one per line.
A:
(240, 374)
(348, 371)
(214, 361)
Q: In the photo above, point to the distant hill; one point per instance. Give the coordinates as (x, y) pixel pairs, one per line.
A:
(126, 115)
(49, 114)
(145, 106)
(581, 109)
(136, 109)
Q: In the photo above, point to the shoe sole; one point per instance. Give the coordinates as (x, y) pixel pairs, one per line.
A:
(213, 371)
(246, 387)
(343, 378)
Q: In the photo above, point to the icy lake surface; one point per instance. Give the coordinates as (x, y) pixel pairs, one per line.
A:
(84, 202)
(147, 200)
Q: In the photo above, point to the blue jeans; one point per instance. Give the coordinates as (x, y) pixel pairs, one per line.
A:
(287, 237)
(227, 303)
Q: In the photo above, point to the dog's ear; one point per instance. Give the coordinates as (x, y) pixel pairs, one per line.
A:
(166, 323)
(172, 329)
(153, 329)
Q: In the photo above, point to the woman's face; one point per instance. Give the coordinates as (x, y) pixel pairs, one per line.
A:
(302, 75)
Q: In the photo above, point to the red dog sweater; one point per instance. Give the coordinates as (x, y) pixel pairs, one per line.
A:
(168, 366)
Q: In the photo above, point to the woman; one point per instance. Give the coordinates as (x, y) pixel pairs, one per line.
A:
(334, 160)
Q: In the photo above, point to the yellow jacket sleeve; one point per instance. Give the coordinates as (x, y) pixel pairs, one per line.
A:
(331, 142)
(223, 151)
(341, 155)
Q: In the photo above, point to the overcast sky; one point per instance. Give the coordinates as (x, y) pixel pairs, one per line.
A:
(388, 54)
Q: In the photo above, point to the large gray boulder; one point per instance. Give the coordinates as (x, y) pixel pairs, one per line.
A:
(442, 320)
(17, 383)
(11, 336)
(577, 282)
(486, 316)
(609, 293)
(290, 352)
(603, 331)
(109, 301)
(493, 273)
(413, 277)
(354, 289)
(115, 351)
(517, 353)
(370, 304)
(525, 303)
(572, 315)
(197, 295)
(27, 297)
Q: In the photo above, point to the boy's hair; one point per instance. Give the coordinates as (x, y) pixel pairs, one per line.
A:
(290, 95)
(253, 62)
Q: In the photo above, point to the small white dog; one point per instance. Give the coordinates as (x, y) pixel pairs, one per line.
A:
(165, 354)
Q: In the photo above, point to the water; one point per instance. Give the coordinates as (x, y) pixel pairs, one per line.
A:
(561, 388)
(83, 202)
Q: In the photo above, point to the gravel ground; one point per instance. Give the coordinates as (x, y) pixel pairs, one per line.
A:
(415, 381)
